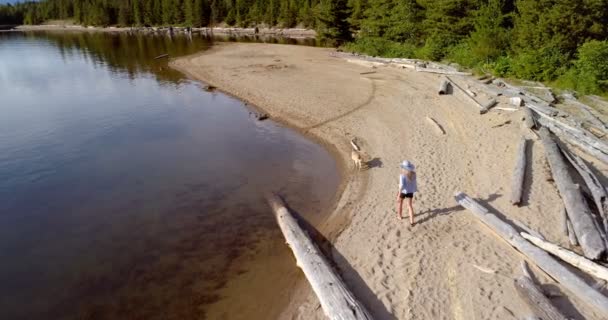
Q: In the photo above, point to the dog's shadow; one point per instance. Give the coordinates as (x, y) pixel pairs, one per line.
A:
(375, 163)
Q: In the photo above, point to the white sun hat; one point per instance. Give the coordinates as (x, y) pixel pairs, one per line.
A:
(408, 166)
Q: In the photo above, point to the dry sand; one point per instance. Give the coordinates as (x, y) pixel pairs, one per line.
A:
(400, 272)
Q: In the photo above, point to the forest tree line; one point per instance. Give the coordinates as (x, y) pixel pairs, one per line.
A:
(560, 41)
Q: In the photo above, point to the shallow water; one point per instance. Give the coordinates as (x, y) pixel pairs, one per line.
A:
(129, 192)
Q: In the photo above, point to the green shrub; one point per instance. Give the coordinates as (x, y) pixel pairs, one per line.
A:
(461, 54)
(591, 68)
(435, 47)
(544, 64)
(501, 66)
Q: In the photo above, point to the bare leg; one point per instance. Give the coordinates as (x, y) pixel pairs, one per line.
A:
(410, 209)
(400, 202)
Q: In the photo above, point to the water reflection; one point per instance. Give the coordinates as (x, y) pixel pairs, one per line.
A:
(127, 192)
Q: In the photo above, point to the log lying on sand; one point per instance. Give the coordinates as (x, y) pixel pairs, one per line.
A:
(536, 300)
(575, 136)
(465, 93)
(529, 121)
(441, 71)
(598, 192)
(443, 87)
(542, 259)
(571, 235)
(579, 213)
(519, 173)
(435, 125)
(336, 300)
(486, 106)
(572, 258)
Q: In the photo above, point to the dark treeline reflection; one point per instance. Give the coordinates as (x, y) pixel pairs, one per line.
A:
(135, 53)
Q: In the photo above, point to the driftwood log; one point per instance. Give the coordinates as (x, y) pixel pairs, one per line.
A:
(536, 300)
(571, 235)
(598, 192)
(519, 173)
(542, 259)
(436, 126)
(575, 136)
(486, 106)
(466, 94)
(443, 87)
(529, 121)
(572, 258)
(579, 213)
(336, 300)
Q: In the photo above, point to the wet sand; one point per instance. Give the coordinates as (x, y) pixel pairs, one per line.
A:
(428, 271)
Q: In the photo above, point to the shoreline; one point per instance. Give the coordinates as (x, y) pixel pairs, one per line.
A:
(295, 33)
(332, 224)
(397, 271)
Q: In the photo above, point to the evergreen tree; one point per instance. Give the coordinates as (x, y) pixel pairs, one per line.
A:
(137, 12)
(332, 21)
(489, 39)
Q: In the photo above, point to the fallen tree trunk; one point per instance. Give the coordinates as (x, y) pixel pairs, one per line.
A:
(598, 192)
(536, 300)
(575, 136)
(572, 258)
(465, 93)
(443, 87)
(336, 300)
(486, 106)
(542, 259)
(571, 235)
(529, 118)
(441, 71)
(579, 213)
(519, 173)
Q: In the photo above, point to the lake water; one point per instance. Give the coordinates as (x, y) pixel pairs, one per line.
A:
(129, 192)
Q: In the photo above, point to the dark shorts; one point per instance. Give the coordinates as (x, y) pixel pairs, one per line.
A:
(406, 195)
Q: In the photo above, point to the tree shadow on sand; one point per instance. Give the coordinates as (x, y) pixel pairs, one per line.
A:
(349, 275)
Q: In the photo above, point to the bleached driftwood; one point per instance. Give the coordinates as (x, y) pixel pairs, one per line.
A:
(506, 109)
(441, 71)
(536, 300)
(529, 118)
(465, 93)
(542, 259)
(590, 113)
(527, 229)
(596, 188)
(336, 300)
(579, 213)
(519, 173)
(443, 86)
(486, 106)
(571, 235)
(437, 127)
(572, 258)
(573, 135)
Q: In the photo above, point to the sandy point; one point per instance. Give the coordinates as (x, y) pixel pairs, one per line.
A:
(433, 269)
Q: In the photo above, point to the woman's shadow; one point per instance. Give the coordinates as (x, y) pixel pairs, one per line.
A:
(433, 213)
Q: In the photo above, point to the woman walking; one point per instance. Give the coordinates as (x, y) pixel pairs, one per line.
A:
(407, 188)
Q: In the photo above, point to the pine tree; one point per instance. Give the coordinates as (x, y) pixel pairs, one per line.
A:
(489, 40)
(137, 12)
(332, 21)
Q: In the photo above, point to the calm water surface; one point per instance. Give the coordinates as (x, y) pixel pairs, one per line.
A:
(129, 192)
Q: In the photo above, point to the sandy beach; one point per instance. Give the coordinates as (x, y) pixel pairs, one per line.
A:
(432, 270)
